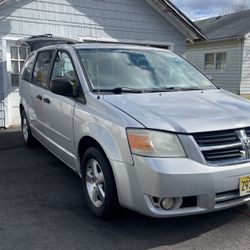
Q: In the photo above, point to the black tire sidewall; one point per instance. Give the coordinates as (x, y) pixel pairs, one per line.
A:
(110, 201)
(30, 139)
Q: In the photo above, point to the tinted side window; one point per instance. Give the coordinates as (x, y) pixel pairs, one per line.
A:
(42, 67)
(63, 68)
(27, 68)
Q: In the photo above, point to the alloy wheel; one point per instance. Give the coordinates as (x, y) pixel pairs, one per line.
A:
(25, 129)
(95, 183)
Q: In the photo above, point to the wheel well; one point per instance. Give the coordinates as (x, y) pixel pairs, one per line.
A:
(87, 142)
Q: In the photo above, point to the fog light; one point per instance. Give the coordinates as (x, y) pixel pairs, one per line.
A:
(167, 203)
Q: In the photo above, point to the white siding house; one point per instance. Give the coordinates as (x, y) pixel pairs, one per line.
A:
(245, 75)
(227, 76)
(151, 22)
(225, 55)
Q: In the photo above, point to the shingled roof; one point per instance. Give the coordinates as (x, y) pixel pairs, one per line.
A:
(234, 25)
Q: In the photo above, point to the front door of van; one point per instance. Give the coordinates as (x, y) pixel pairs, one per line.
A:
(59, 110)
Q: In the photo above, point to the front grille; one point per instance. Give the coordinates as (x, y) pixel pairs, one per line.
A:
(229, 196)
(247, 132)
(221, 147)
(216, 138)
(224, 154)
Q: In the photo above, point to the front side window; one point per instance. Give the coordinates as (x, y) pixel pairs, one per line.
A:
(142, 69)
(215, 61)
(42, 68)
(63, 68)
(18, 56)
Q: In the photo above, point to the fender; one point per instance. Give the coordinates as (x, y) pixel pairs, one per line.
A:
(114, 148)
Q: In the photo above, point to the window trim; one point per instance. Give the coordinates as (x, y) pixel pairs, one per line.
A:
(49, 70)
(214, 70)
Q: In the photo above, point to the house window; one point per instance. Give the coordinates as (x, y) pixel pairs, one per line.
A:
(215, 61)
(221, 59)
(18, 57)
(209, 61)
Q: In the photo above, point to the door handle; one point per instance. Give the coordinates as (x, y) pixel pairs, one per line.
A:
(46, 100)
(39, 97)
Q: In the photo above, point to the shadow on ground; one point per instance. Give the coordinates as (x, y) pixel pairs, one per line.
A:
(41, 207)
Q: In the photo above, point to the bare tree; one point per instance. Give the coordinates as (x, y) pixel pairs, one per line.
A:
(235, 8)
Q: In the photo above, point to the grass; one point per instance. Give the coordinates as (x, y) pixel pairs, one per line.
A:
(246, 96)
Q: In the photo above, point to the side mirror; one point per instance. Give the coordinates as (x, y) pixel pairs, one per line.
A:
(62, 86)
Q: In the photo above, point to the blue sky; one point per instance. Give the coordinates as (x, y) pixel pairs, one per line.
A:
(200, 9)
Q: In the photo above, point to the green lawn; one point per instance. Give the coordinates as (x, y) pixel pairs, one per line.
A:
(246, 96)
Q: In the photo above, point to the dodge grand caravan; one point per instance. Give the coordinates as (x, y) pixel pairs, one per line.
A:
(141, 126)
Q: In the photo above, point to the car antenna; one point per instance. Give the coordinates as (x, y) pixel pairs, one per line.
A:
(97, 65)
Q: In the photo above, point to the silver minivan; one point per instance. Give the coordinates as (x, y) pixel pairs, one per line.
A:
(141, 126)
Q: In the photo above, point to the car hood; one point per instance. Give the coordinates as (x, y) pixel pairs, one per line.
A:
(185, 111)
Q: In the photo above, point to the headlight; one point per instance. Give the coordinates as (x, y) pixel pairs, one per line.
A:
(155, 144)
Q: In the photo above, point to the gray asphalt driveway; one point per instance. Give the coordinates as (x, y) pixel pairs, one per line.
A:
(42, 207)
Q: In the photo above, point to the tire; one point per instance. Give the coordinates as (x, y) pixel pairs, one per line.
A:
(26, 130)
(98, 183)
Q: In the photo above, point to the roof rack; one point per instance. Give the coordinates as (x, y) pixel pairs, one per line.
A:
(38, 41)
(40, 36)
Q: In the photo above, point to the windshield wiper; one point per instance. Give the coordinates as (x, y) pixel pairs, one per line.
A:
(121, 90)
(173, 89)
(127, 90)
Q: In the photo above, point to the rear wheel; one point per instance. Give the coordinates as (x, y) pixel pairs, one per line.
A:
(98, 183)
(26, 130)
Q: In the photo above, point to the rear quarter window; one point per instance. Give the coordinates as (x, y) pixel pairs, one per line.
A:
(27, 68)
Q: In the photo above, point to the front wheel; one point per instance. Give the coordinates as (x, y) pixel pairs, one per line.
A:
(26, 130)
(98, 183)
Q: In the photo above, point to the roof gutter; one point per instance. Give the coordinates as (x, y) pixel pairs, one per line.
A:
(218, 40)
(179, 14)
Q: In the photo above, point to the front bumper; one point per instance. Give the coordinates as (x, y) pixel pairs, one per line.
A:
(215, 188)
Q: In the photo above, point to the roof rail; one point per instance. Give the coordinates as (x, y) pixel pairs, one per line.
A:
(39, 36)
(38, 41)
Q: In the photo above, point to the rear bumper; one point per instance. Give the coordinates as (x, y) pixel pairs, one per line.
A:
(214, 188)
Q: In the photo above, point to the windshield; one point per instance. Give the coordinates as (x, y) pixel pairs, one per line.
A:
(140, 69)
